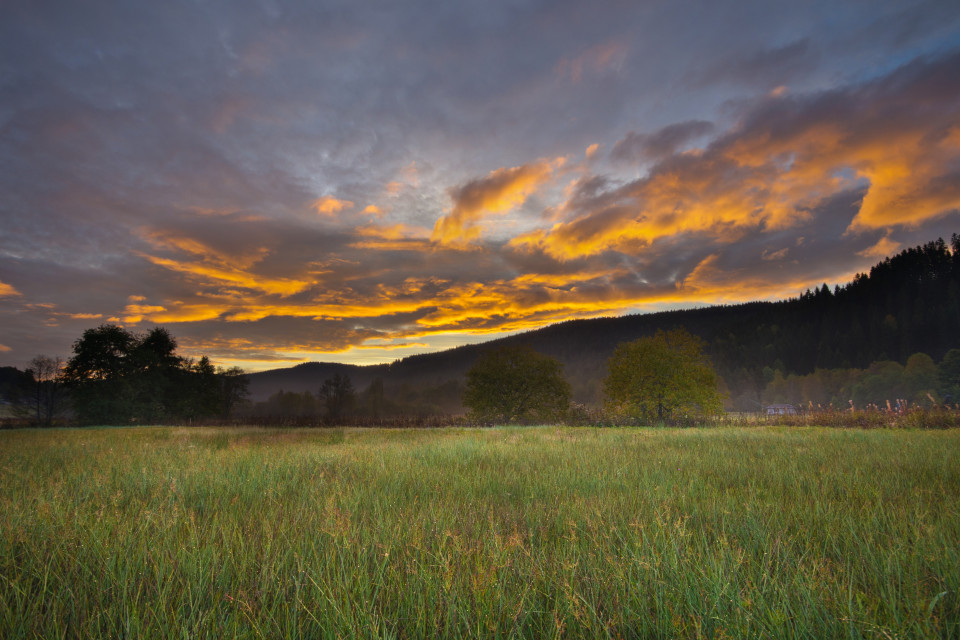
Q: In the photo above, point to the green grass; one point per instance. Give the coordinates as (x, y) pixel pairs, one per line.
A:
(525, 532)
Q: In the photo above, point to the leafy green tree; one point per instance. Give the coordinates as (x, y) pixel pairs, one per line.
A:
(516, 384)
(948, 373)
(920, 378)
(662, 377)
(881, 383)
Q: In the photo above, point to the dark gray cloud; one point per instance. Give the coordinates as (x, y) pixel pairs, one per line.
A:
(639, 147)
(768, 67)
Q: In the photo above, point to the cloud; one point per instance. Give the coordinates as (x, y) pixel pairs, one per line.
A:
(136, 312)
(895, 136)
(396, 237)
(636, 147)
(600, 59)
(498, 192)
(330, 206)
(770, 65)
(8, 290)
(775, 255)
(884, 247)
(217, 268)
(4, 347)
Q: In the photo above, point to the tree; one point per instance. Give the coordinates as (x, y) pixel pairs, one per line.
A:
(949, 371)
(234, 389)
(662, 377)
(338, 397)
(98, 375)
(161, 384)
(920, 378)
(516, 384)
(373, 398)
(118, 377)
(39, 394)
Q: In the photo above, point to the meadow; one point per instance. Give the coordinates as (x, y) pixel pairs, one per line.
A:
(496, 533)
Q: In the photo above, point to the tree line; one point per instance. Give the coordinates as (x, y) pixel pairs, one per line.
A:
(118, 377)
(884, 384)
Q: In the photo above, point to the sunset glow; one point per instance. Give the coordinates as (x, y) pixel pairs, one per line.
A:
(454, 177)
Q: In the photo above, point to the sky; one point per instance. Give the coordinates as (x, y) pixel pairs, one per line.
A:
(280, 182)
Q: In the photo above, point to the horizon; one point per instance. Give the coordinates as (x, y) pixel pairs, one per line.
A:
(278, 185)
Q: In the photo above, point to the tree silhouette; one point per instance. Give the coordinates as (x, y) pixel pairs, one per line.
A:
(41, 395)
(118, 377)
(338, 397)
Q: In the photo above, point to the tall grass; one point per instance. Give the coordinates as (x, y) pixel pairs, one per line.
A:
(513, 532)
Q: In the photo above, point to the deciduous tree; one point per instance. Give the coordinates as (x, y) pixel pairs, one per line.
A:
(662, 377)
(516, 384)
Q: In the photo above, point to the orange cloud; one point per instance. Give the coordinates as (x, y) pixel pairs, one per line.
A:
(393, 346)
(330, 206)
(218, 268)
(397, 237)
(894, 138)
(498, 192)
(219, 275)
(4, 347)
(135, 313)
(885, 247)
(7, 290)
(709, 281)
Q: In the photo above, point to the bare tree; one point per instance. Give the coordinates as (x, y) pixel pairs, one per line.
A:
(44, 399)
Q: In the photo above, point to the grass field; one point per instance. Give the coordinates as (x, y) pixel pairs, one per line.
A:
(514, 532)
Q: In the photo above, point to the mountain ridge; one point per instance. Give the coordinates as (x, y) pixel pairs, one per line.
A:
(907, 303)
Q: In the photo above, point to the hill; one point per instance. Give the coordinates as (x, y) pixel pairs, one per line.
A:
(908, 303)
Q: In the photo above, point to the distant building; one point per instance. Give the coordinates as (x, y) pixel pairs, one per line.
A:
(781, 410)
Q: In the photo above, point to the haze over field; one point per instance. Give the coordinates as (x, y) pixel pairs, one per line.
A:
(357, 182)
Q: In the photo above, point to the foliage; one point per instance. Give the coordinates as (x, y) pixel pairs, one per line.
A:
(516, 384)
(501, 533)
(117, 377)
(662, 377)
(884, 384)
(948, 375)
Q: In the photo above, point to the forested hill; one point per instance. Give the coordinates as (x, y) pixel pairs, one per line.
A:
(908, 303)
